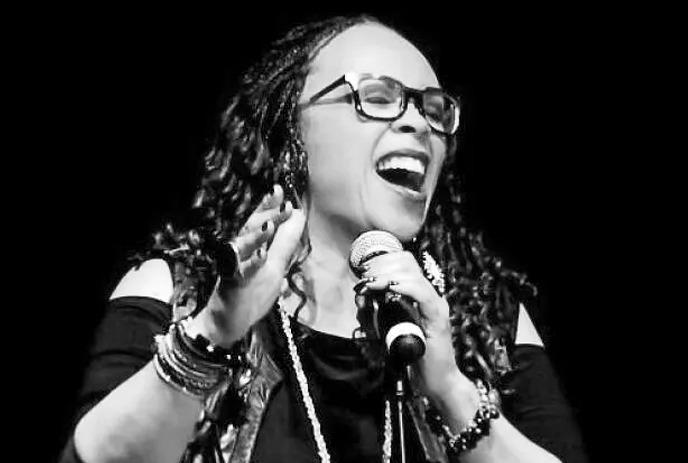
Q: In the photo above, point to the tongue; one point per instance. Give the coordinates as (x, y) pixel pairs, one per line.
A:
(407, 179)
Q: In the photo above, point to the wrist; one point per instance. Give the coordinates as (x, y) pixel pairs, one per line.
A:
(213, 325)
(457, 400)
(461, 438)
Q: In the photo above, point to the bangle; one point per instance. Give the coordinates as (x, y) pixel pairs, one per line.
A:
(193, 365)
(185, 376)
(204, 348)
(478, 427)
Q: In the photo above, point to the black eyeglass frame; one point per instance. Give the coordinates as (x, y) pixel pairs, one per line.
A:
(353, 79)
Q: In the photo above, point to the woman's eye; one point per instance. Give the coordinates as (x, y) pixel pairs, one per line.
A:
(378, 99)
(433, 111)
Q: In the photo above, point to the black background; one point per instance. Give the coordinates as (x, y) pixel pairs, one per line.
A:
(126, 102)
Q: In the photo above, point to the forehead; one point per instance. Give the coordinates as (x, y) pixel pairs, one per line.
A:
(370, 48)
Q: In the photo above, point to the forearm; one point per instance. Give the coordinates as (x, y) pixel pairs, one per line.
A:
(504, 443)
(142, 420)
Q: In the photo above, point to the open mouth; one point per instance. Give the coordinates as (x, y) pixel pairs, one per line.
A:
(404, 170)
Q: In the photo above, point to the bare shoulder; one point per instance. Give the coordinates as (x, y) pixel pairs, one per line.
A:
(526, 333)
(151, 279)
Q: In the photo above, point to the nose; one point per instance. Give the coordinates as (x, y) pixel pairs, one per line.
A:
(411, 121)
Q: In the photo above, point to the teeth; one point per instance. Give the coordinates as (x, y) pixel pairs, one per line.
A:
(402, 162)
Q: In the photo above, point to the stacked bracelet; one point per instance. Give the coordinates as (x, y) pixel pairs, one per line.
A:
(194, 365)
(478, 427)
(204, 348)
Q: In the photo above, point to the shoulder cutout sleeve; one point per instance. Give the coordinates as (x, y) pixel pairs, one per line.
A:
(151, 279)
(525, 330)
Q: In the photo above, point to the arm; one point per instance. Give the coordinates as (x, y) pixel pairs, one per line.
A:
(504, 443)
(539, 408)
(536, 424)
(449, 389)
(131, 400)
(141, 417)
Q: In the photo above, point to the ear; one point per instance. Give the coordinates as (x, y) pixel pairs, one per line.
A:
(525, 331)
(151, 279)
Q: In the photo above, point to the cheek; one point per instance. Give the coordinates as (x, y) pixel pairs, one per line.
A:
(439, 149)
(323, 143)
(338, 146)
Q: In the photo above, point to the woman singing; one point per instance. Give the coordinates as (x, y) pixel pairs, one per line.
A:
(264, 346)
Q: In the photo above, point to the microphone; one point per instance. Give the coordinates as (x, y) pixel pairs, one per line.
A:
(395, 316)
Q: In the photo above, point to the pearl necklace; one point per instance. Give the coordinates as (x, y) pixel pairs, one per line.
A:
(308, 401)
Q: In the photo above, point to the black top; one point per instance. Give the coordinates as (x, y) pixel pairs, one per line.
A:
(347, 393)
(347, 396)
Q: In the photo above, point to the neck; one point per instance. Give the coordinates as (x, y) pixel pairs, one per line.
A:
(329, 285)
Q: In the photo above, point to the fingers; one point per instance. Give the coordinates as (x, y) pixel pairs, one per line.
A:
(253, 263)
(249, 242)
(287, 239)
(398, 272)
(391, 262)
(274, 198)
(432, 306)
(402, 285)
(389, 269)
(273, 220)
(272, 208)
(261, 225)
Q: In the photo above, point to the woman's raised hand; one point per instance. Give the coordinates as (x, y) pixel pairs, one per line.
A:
(266, 246)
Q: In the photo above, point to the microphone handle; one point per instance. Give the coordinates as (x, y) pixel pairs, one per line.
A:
(394, 309)
(397, 323)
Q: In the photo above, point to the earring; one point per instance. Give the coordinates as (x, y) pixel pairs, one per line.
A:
(433, 273)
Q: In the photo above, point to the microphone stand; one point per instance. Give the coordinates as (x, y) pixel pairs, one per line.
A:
(399, 372)
(401, 377)
(399, 394)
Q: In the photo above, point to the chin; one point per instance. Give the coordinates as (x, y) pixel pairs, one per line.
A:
(393, 210)
(404, 227)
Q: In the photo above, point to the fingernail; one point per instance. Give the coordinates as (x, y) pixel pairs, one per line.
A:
(283, 207)
(259, 253)
(362, 283)
(264, 227)
(358, 286)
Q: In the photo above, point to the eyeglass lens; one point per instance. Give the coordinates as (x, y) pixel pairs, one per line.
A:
(383, 98)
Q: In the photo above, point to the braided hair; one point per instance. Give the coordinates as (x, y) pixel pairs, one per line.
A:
(258, 144)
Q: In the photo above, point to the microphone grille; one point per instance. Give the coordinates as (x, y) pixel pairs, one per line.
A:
(372, 243)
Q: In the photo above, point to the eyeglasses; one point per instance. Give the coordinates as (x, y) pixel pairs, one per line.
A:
(383, 98)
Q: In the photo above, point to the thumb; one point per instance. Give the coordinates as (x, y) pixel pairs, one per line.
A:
(287, 239)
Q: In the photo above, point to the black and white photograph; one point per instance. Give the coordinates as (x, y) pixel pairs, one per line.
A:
(329, 235)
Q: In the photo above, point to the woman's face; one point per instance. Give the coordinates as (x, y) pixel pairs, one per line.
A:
(346, 188)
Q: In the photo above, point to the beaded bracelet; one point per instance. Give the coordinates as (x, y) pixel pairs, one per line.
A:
(193, 365)
(478, 427)
(204, 348)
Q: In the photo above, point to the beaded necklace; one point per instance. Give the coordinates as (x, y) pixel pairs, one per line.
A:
(434, 273)
(308, 400)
